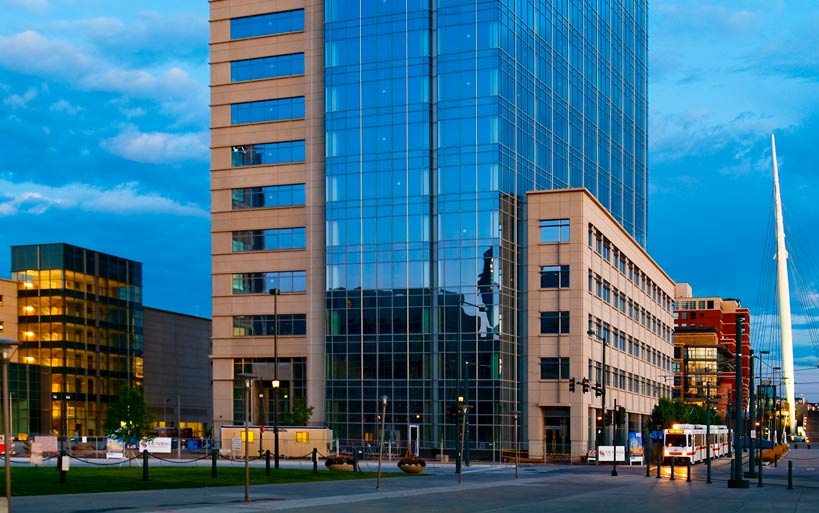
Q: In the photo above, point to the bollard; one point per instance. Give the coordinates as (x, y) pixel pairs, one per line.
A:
(145, 465)
(213, 455)
(790, 475)
(672, 468)
(60, 464)
(688, 471)
(776, 459)
(315, 460)
(648, 465)
(659, 463)
(267, 462)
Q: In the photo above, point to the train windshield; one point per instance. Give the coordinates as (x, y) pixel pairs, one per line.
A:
(675, 441)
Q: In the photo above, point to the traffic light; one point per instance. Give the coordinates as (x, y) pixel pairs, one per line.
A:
(571, 384)
(598, 390)
(585, 385)
(609, 415)
(620, 415)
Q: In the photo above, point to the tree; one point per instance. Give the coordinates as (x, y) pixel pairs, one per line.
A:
(300, 415)
(668, 412)
(129, 418)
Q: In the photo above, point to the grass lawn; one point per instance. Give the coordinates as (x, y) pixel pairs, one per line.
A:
(46, 480)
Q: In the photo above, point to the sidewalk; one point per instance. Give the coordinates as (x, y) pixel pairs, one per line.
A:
(485, 488)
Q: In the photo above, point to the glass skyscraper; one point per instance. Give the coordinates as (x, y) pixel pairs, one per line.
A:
(414, 129)
(440, 115)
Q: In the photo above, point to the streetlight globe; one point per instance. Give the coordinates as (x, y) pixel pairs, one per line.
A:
(276, 383)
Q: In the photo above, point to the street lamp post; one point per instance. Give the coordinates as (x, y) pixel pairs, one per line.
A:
(778, 415)
(247, 382)
(708, 431)
(602, 340)
(753, 419)
(462, 364)
(464, 412)
(276, 385)
(751, 415)
(275, 293)
(460, 446)
(381, 445)
(737, 481)
(515, 414)
(7, 347)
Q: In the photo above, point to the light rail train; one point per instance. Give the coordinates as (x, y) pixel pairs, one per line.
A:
(687, 441)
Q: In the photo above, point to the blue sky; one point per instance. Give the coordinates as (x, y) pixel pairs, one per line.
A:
(104, 118)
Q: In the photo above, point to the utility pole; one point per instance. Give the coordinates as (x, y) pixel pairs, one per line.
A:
(736, 481)
(708, 431)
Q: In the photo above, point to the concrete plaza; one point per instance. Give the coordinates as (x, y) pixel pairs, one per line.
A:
(485, 488)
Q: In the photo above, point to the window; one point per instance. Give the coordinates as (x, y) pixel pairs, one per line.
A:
(554, 276)
(302, 437)
(267, 154)
(261, 283)
(265, 325)
(263, 197)
(554, 368)
(267, 240)
(2, 327)
(267, 67)
(554, 230)
(267, 24)
(267, 110)
(553, 323)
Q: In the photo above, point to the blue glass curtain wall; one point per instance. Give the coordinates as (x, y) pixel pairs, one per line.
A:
(440, 115)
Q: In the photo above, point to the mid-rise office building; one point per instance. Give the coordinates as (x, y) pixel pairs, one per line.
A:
(370, 164)
(80, 326)
(711, 322)
(600, 317)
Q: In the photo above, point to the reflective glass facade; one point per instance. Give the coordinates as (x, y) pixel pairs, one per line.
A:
(440, 115)
(80, 323)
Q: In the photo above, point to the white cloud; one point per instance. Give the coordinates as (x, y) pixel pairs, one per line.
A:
(16, 101)
(125, 199)
(66, 107)
(31, 53)
(158, 147)
(37, 6)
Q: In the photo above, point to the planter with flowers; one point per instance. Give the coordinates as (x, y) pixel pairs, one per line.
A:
(411, 464)
(340, 462)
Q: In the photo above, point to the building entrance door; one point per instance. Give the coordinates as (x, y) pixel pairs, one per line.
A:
(556, 431)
